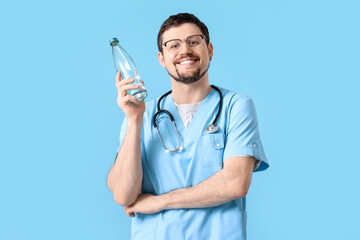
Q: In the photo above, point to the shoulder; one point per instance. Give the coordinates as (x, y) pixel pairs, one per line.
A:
(151, 105)
(238, 107)
(151, 109)
(232, 98)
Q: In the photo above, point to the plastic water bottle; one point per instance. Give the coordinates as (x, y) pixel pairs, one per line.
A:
(124, 63)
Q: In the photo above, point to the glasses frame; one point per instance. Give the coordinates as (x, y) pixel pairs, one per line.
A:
(184, 40)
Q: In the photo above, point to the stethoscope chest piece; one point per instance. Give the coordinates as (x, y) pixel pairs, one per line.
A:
(211, 128)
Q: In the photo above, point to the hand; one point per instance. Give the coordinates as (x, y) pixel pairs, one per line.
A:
(132, 108)
(145, 203)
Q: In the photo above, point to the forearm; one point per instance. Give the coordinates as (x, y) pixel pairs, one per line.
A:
(125, 177)
(214, 191)
(232, 182)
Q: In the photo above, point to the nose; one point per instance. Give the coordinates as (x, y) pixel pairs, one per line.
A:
(184, 48)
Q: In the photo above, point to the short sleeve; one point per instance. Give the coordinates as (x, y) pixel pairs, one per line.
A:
(242, 133)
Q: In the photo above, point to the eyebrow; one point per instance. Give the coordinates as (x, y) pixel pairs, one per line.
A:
(183, 38)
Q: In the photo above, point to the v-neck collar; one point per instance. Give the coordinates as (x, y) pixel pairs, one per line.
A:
(200, 119)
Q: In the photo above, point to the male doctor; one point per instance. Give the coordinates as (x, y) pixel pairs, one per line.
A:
(199, 191)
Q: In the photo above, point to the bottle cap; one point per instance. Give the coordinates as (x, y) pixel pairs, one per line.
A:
(113, 41)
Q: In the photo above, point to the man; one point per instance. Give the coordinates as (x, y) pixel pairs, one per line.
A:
(197, 192)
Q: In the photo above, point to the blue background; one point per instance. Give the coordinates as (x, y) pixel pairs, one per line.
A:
(298, 60)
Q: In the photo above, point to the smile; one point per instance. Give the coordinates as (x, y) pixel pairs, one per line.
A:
(187, 61)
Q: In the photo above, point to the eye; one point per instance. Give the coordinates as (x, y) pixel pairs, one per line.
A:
(173, 45)
(193, 43)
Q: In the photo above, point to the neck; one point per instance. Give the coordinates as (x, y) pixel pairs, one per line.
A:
(190, 93)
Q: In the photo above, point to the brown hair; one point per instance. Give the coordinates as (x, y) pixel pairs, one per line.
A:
(178, 19)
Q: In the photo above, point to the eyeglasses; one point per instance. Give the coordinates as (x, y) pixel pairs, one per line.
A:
(193, 41)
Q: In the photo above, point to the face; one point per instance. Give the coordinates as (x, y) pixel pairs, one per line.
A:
(187, 65)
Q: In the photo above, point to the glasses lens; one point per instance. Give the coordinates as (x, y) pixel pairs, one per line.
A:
(194, 41)
(173, 45)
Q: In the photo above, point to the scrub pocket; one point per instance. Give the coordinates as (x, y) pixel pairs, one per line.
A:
(143, 226)
(234, 225)
(212, 149)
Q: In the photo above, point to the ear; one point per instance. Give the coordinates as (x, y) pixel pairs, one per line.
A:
(210, 50)
(161, 59)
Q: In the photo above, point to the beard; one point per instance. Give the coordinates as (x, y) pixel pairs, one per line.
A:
(194, 77)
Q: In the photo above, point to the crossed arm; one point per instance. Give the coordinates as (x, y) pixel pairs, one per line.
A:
(230, 183)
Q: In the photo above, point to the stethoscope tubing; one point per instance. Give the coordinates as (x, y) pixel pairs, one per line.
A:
(159, 111)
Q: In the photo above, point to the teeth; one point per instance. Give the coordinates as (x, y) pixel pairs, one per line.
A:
(186, 62)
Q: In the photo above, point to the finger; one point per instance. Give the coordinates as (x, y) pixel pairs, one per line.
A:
(118, 77)
(126, 210)
(122, 89)
(129, 213)
(129, 87)
(122, 94)
(124, 81)
(128, 99)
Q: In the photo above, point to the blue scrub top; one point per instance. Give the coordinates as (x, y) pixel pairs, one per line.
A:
(203, 155)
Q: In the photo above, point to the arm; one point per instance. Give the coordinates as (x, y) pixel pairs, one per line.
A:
(125, 176)
(230, 183)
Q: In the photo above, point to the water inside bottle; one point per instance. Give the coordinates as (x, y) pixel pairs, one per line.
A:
(139, 93)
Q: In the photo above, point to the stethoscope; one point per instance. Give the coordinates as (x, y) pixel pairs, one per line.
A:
(209, 129)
